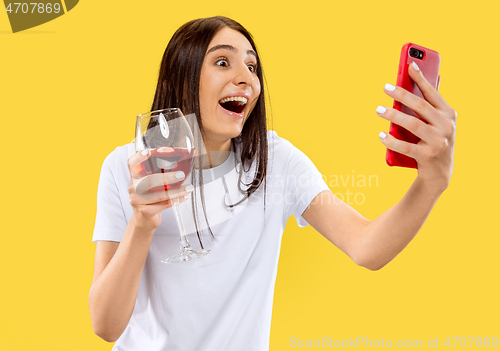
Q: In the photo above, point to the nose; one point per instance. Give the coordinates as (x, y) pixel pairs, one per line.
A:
(243, 76)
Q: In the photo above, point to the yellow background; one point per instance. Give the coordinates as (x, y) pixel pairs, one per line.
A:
(69, 93)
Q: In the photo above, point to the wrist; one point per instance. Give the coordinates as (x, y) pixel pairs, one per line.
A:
(432, 188)
(142, 225)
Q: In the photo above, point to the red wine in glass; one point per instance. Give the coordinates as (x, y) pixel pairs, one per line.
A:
(169, 139)
(172, 159)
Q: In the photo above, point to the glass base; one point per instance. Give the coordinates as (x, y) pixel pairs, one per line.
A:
(186, 255)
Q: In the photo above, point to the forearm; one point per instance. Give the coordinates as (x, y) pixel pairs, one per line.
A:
(113, 294)
(386, 236)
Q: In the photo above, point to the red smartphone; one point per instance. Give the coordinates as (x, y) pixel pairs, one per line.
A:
(428, 61)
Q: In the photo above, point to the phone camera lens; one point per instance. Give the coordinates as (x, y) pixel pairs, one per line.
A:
(416, 53)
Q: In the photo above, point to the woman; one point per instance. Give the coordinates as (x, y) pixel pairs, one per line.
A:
(223, 301)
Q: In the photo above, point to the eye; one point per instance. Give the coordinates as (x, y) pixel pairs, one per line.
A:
(222, 62)
(252, 68)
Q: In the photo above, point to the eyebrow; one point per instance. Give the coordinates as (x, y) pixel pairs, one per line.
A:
(230, 48)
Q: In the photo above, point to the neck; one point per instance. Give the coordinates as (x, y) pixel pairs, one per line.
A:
(217, 153)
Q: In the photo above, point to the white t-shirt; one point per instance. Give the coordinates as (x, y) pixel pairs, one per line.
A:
(222, 301)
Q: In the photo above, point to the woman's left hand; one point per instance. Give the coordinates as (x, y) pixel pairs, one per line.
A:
(434, 152)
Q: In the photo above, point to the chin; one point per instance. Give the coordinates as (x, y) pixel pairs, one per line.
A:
(224, 135)
(234, 134)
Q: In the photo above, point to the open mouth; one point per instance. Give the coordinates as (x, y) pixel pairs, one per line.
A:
(234, 103)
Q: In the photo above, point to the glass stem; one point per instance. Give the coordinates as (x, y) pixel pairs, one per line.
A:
(184, 241)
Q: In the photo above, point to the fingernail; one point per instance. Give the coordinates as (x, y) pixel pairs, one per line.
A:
(389, 87)
(189, 188)
(179, 175)
(381, 109)
(187, 196)
(415, 66)
(144, 152)
(382, 135)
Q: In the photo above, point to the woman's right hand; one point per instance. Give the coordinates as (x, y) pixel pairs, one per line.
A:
(148, 205)
(118, 266)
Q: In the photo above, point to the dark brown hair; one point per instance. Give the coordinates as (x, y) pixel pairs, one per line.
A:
(179, 84)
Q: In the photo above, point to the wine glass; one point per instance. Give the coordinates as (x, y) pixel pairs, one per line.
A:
(169, 131)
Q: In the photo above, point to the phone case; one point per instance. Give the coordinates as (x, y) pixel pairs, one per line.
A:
(429, 65)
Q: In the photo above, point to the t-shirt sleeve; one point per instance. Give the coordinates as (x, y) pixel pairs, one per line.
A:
(110, 222)
(303, 183)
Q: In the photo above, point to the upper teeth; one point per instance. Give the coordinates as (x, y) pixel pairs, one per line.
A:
(242, 100)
